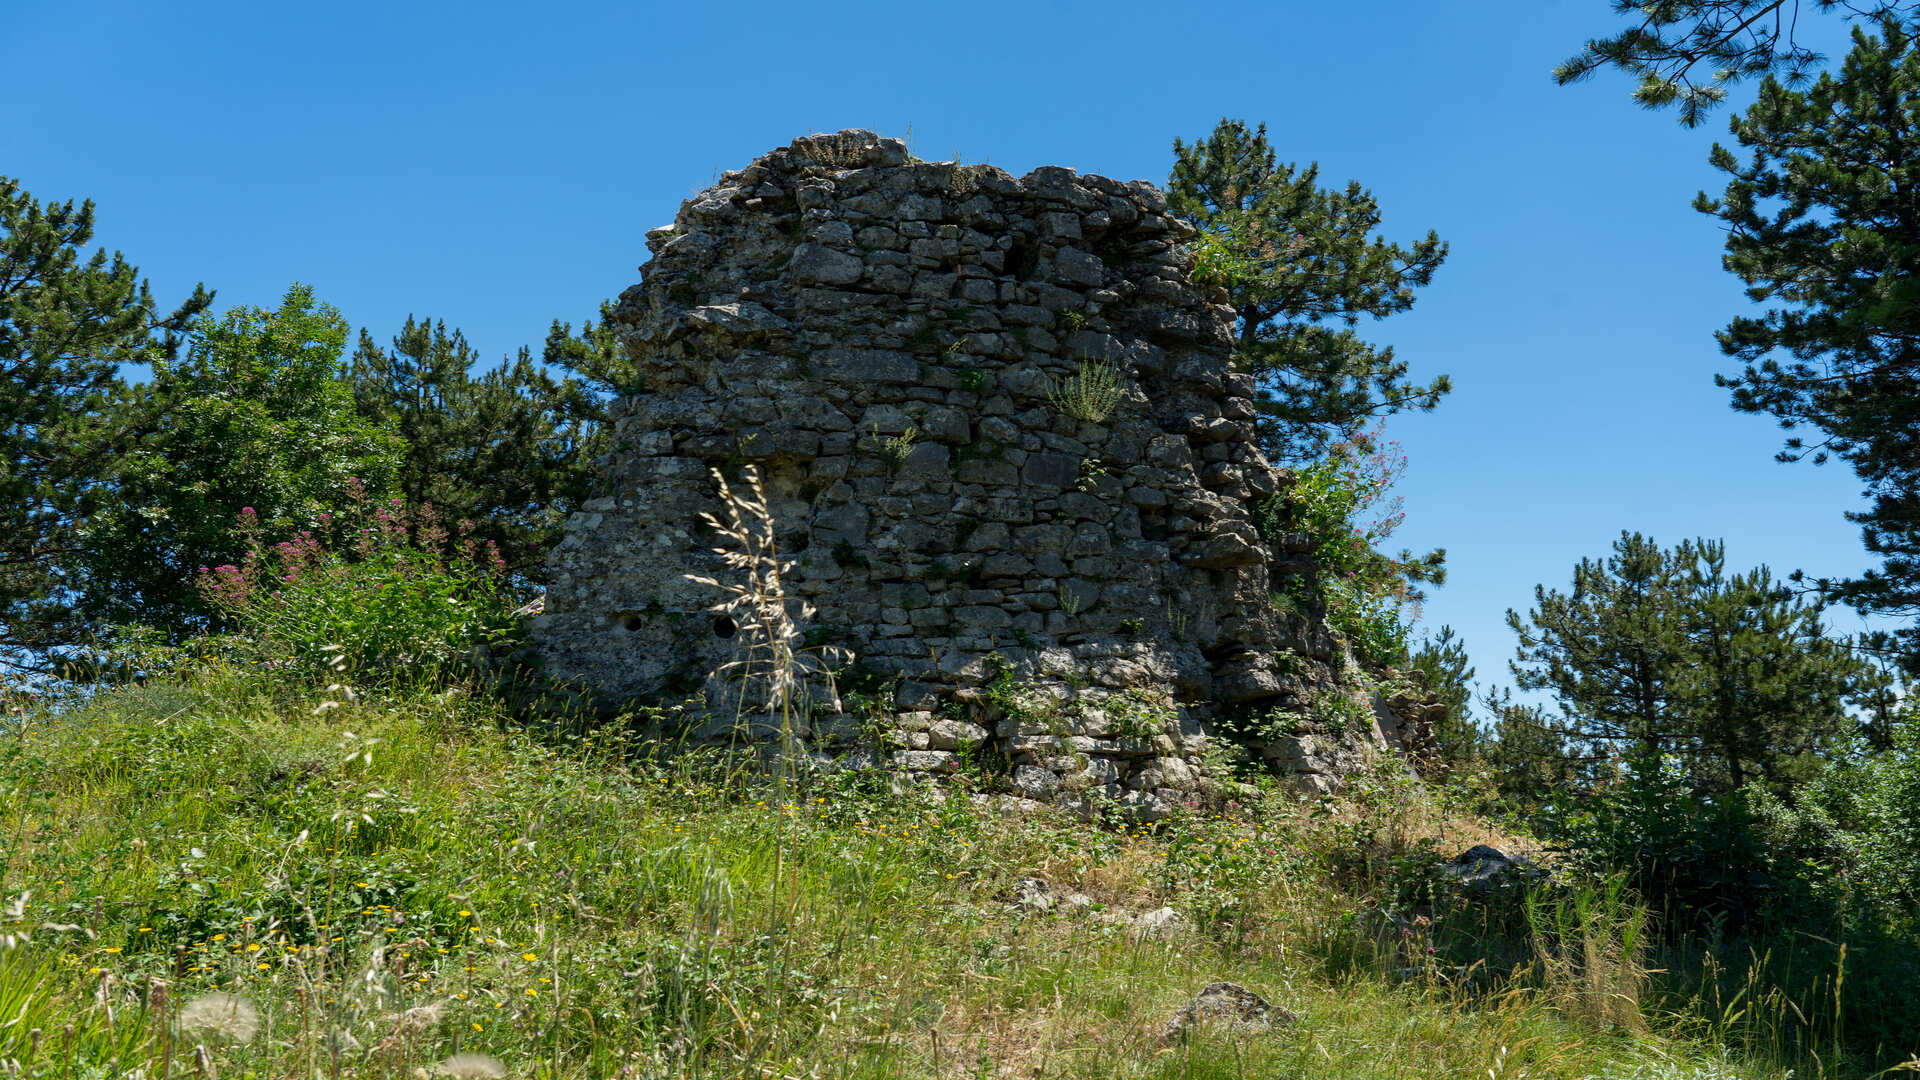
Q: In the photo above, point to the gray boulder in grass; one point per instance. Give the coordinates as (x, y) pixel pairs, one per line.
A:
(1240, 1009)
(1482, 872)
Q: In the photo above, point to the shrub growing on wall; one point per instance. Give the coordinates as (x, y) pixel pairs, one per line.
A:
(1344, 502)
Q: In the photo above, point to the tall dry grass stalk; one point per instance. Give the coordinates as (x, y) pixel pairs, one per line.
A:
(1589, 949)
(774, 674)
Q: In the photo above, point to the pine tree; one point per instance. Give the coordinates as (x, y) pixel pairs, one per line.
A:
(1659, 655)
(67, 326)
(1823, 224)
(1735, 39)
(1610, 648)
(595, 355)
(1443, 667)
(1528, 752)
(1767, 690)
(508, 449)
(1302, 267)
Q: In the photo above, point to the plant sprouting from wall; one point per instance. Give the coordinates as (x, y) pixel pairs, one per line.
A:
(895, 449)
(1090, 395)
(1345, 502)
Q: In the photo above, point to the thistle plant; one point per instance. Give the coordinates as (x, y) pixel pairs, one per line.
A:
(1092, 394)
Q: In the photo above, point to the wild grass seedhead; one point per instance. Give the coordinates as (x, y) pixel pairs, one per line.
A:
(774, 672)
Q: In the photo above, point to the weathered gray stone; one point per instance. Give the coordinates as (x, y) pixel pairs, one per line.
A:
(868, 365)
(822, 265)
(1228, 1005)
(894, 380)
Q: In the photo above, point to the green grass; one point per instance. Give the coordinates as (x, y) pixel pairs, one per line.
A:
(397, 879)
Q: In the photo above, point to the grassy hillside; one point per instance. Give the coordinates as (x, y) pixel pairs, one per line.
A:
(388, 882)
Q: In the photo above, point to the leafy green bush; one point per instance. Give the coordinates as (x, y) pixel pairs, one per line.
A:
(1699, 862)
(1343, 502)
(1818, 894)
(1854, 832)
(390, 596)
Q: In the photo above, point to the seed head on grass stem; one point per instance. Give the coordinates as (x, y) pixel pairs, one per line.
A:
(472, 1067)
(773, 672)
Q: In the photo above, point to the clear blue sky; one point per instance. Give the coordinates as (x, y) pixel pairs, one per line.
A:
(495, 165)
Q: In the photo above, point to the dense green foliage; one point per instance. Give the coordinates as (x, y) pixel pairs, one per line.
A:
(388, 595)
(1823, 225)
(256, 416)
(505, 448)
(1302, 267)
(1663, 654)
(1853, 828)
(1344, 503)
(68, 325)
(1747, 772)
(113, 496)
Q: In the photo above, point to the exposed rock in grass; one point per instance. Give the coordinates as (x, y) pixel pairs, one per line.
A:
(1231, 1005)
(1483, 873)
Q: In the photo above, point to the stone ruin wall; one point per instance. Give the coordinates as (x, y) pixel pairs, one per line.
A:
(1079, 602)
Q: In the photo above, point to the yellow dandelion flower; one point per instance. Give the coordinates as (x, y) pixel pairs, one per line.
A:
(528, 956)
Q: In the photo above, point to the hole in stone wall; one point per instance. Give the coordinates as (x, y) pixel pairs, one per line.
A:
(632, 622)
(724, 626)
(1022, 260)
(1153, 523)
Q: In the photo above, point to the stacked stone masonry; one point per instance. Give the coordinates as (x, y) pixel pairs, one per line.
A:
(894, 346)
